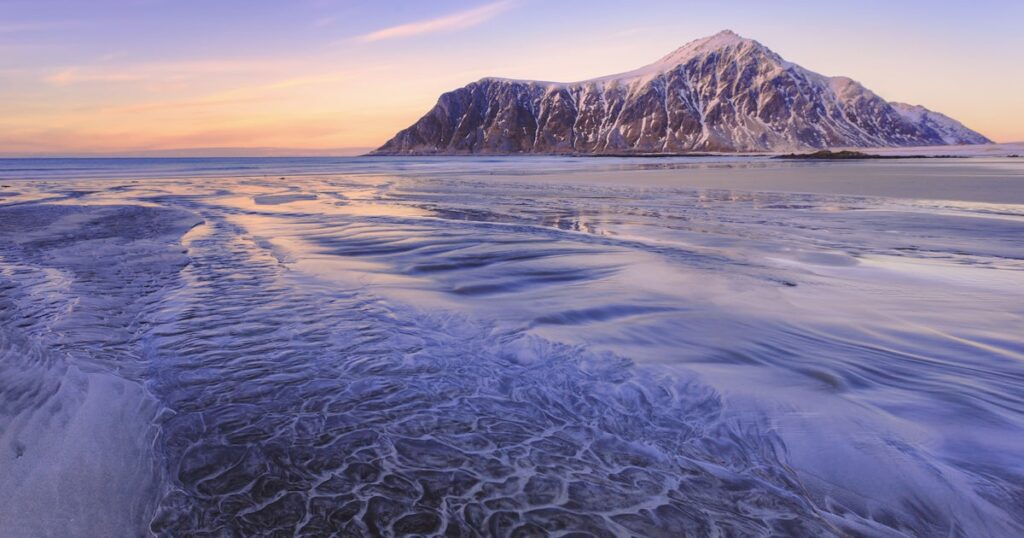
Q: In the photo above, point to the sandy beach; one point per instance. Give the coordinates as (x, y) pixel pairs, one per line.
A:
(402, 345)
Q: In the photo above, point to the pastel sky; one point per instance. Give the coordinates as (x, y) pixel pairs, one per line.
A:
(126, 75)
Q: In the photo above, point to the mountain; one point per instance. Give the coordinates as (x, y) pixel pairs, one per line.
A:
(951, 131)
(721, 93)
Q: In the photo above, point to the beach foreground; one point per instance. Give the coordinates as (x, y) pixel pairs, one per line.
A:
(512, 347)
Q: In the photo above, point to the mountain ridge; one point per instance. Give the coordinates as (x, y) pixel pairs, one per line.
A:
(722, 93)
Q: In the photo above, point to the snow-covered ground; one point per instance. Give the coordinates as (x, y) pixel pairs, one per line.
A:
(614, 346)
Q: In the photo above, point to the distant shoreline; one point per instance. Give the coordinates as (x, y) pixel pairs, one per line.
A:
(999, 150)
(813, 156)
(846, 155)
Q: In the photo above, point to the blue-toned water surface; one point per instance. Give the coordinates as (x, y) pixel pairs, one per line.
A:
(511, 347)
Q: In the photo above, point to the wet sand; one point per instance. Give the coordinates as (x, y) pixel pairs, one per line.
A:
(513, 345)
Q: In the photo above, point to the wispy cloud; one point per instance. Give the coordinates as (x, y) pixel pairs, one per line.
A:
(234, 96)
(74, 75)
(107, 71)
(447, 23)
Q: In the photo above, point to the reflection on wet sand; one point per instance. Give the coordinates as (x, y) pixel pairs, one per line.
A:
(417, 353)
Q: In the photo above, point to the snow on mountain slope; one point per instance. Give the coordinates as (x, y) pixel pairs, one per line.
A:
(720, 93)
(951, 131)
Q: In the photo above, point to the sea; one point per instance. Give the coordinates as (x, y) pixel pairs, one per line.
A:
(512, 346)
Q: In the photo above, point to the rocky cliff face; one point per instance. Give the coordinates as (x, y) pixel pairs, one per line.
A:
(721, 93)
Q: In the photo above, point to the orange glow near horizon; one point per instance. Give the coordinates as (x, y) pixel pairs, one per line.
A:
(354, 87)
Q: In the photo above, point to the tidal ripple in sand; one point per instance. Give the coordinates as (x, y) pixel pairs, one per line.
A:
(304, 407)
(394, 355)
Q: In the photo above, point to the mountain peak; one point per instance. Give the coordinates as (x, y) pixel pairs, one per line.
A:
(724, 37)
(721, 40)
(724, 40)
(719, 93)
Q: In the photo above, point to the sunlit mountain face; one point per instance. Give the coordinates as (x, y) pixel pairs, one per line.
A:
(323, 77)
(461, 268)
(722, 93)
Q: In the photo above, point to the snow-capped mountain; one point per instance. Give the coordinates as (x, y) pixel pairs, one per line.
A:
(951, 131)
(721, 93)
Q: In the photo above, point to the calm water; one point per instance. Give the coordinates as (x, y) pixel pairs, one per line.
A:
(512, 347)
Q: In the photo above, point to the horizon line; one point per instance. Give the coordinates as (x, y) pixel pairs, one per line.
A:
(200, 152)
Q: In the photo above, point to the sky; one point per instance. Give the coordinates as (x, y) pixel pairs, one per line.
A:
(106, 76)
